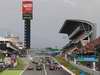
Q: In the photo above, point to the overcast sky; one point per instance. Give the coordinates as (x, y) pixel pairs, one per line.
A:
(49, 16)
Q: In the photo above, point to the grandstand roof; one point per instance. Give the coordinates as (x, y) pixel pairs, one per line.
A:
(73, 27)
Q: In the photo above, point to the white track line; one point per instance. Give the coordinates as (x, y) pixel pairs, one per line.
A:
(24, 70)
(45, 69)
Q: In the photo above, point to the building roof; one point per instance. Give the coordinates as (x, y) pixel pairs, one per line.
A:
(4, 39)
(73, 27)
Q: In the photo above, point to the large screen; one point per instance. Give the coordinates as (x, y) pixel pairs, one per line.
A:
(27, 8)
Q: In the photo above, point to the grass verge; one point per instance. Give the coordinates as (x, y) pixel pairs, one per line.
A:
(20, 65)
(11, 72)
(67, 64)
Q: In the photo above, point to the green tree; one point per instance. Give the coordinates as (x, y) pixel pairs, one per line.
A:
(2, 56)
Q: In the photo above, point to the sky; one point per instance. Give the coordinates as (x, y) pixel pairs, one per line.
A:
(48, 18)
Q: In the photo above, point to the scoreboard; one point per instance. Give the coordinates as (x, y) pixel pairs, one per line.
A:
(27, 9)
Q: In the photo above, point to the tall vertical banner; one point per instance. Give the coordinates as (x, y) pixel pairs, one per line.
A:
(27, 9)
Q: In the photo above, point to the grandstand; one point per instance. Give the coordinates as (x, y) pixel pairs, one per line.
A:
(83, 42)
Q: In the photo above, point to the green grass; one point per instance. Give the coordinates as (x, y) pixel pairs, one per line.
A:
(11, 72)
(69, 66)
(20, 65)
(17, 70)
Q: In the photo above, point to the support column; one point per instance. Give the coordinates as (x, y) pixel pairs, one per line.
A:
(74, 60)
(94, 66)
(66, 56)
(27, 35)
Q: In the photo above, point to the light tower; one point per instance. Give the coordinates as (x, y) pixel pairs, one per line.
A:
(27, 14)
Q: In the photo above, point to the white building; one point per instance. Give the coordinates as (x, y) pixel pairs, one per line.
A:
(10, 44)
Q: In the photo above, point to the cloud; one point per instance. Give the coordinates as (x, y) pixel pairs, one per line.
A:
(70, 2)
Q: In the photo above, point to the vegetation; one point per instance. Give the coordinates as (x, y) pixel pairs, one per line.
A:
(2, 56)
(20, 65)
(68, 65)
(11, 72)
(53, 49)
(15, 71)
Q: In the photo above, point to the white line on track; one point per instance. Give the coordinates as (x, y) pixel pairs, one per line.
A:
(45, 72)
